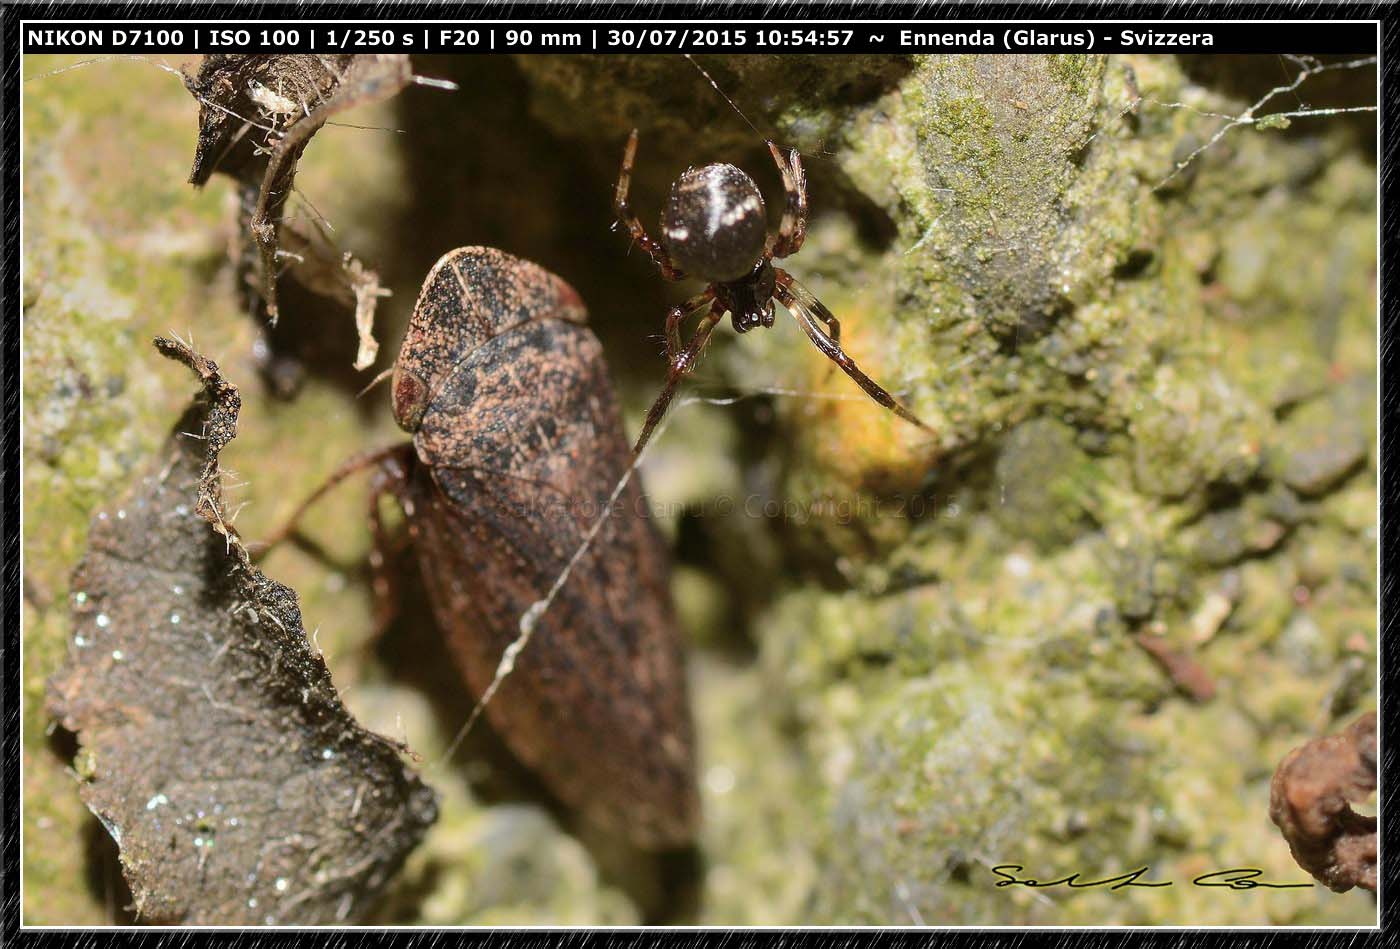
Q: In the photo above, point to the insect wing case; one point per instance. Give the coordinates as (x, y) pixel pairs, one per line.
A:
(518, 451)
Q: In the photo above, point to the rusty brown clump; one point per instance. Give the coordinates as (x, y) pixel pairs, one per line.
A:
(1309, 803)
(518, 448)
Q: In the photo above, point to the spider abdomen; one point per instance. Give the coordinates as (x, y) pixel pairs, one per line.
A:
(715, 224)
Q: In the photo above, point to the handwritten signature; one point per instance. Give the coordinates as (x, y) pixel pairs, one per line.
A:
(1234, 878)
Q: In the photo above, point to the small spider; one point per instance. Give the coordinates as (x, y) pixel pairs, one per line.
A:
(715, 227)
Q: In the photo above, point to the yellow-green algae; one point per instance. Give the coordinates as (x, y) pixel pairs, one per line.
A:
(1111, 466)
(913, 657)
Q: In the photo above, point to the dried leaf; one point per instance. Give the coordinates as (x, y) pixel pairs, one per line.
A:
(257, 115)
(317, 266)
(215, 748)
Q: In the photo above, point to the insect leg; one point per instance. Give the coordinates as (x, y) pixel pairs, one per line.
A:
(370, 459)
(807, 310)
(681, 365)
(793, 230)
(627, 219)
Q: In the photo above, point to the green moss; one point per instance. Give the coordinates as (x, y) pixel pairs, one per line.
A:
(1154, 458)
(1075, 71)
(970, 128)
(1050, 484)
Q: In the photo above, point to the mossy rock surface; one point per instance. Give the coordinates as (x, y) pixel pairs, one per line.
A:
(914, 657)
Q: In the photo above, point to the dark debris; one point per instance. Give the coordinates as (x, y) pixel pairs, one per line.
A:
(257, 114)
(1188, 675)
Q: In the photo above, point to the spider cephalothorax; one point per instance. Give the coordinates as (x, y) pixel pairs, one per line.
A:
(715, 227)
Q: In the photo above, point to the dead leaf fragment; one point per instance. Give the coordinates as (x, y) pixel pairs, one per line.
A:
(222, 761)
(257, 115)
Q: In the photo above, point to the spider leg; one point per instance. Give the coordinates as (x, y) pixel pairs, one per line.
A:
(677, 316)
(807, 310)
(833, 325)
(681, 365)
(793, 229)
(627, 219)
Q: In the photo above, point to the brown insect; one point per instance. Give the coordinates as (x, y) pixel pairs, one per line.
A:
(715, 227)
(517, 449)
